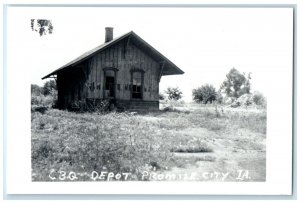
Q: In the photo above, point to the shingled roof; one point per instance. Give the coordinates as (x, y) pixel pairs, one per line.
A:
(169, 67)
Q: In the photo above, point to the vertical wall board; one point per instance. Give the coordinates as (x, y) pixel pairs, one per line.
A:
(76, 82)
(102, 58)
(99, 74)
(94, 78)
(91, 95)
(85, 72)
(87, 84)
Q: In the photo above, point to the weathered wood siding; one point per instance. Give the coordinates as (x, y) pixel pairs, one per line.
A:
(124, 58)
(86, 80)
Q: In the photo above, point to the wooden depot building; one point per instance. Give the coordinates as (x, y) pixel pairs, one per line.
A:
(125, 71)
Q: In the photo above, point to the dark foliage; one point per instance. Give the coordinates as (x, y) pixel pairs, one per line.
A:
(36, 90)
(205, 94)
(236, 84)
(43, 26)
(45, 96)
(174, 93)
(49, 87)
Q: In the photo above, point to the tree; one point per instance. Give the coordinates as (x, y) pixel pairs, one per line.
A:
(49, 88)
(36, 90)
(247, 85)
(174, 93)
(236, 84)
(42, 26)
(204, 94)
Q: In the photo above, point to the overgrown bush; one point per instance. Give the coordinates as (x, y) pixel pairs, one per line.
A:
(36, 90)
(174, 93)
(41, 100)
(99, 105)
(259, 99)
(204, 94)
(246, 100)
(228, 100)
(49, 88)
(44, 96)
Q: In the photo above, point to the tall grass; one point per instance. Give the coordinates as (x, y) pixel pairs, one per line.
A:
(87, 142)
(122, 142)
(216, 119)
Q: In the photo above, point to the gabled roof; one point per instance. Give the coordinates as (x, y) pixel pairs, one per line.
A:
(169, 68)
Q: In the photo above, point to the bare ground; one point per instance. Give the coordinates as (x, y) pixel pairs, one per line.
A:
(236, 156)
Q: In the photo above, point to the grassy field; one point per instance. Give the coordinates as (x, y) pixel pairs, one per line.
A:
(191, 142)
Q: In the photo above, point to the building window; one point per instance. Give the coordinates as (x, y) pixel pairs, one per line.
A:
(137, 85)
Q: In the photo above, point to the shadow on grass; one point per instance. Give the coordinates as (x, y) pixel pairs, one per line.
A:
(199, 149)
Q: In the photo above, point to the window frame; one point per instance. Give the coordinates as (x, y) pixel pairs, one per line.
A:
(142, 72)
(115, 71)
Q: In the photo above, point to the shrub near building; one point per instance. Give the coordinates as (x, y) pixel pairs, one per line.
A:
(44, 96)
(205, 94)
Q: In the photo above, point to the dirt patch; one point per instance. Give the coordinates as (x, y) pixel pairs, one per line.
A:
(235, 157)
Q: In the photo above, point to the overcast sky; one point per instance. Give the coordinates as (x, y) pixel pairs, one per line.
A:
(204, 42)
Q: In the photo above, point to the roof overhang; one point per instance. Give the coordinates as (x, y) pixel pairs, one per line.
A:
(169, 67)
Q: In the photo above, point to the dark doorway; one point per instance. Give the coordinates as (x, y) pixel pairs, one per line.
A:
(110, 86)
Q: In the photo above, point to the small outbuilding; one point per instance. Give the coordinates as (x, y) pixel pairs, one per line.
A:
(125, 71)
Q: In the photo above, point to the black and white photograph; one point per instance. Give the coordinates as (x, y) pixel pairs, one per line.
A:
(151, 94)
(124, 111)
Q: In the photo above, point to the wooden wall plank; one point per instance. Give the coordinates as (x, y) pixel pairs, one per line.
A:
(112, 57)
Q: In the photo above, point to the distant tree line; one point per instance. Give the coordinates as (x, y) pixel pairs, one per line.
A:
(48, 88)
(235, 85)
(45, 95)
